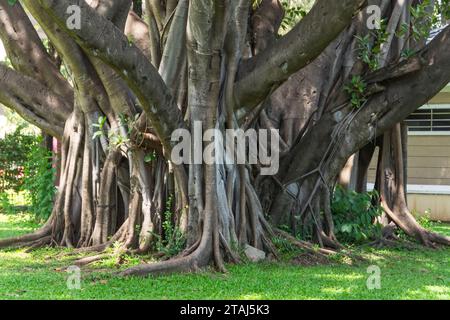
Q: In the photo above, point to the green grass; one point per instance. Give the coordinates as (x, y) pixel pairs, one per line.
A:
(405, 274)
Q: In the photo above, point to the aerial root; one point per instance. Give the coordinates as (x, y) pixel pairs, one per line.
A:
(305, 245)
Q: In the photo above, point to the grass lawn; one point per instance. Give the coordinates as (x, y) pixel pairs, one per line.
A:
(405, 274)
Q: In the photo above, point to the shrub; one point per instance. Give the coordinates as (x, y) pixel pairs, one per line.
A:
(26, 168)
(355, 215)
(14, 151)
(173, 241)
(425, 220)
(39, 181)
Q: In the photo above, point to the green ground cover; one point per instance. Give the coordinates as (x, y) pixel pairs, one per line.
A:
(405, 274)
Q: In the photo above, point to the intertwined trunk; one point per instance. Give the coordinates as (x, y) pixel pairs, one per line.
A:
(204, 64)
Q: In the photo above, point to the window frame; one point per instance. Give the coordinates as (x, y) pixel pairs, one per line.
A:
(431, 133)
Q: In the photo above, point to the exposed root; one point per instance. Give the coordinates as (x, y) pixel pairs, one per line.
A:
(88, 260)
(310, 259)
(186, 264)
(385, 242)
(228, 251)
(39, 243)
(305, 245)
(28, 239)
(405, 221)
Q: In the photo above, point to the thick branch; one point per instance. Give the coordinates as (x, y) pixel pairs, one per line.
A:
(401, 95)
(113, 47)
(294, 51)
(26, 50)
(43, 108)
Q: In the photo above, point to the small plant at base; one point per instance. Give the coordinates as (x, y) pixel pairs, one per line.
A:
(425, 220)
(355, 215)
(174, 240)
(284, 246)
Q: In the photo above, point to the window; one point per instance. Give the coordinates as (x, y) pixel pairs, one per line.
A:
(430, 119)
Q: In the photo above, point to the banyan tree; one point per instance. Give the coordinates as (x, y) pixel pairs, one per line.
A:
(112, 80)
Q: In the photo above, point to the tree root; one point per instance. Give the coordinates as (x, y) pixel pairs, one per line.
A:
(28, 239)
(393, 243)
(304, 245)
(91, 259)
(186, 264)
(405, 221)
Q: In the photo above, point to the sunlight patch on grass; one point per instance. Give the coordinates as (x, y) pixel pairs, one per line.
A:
(253, 296)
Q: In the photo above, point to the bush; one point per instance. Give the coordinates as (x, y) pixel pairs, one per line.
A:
(173, 241)
(26, 168)
(39, 181)
(14, 151)
(355, 215)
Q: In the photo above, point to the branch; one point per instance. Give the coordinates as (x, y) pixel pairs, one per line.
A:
(402, 94)
(100, 37)
(26, 51)
(294, 51)
(43, 108)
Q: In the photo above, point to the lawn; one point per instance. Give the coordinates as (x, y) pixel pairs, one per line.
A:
(405, 274)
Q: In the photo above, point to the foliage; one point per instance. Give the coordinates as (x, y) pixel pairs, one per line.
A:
(425, 222)
(355, 215)
(443, 9)
(370, 51)
(283, 245)
(5, 204)
(14, 151)
(356, 89)
(173, 241)
(39, 181)
(25, 166)
(100, 125)
(423, 21)
(116, 138)
(293, 12)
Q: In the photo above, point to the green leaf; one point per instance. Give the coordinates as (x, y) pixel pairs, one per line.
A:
(150, 157)
(97, 134)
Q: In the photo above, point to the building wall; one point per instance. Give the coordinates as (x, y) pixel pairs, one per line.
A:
(435, 206)
(428, 176)
(428, 161)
